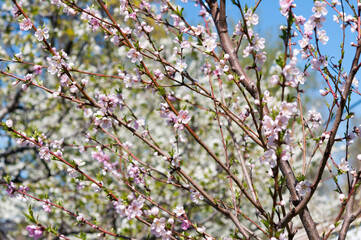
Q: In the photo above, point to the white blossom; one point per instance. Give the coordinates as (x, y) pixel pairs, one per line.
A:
(42, 33)
(303, 188)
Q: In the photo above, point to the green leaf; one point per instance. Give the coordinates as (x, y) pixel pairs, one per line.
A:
(179, 12)
(30, 216)
(161, 91)
(265, 222)
(7, 178)
(300, 177)
(82, 235)
(350, 115)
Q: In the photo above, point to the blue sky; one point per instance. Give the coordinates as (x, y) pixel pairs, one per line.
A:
(270, 19)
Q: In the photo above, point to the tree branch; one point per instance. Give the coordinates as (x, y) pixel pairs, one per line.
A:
(218, 14)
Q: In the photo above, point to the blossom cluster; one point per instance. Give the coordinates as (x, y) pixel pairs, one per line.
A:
(179, 121)
(13, 191)
(277, 134)
(255, 43)
(108, 103)
(104, 159)
(134, 209)
(35, 231)
(136, 172)
(170, 71)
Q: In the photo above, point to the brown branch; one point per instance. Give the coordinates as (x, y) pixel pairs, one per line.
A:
(350, 216)
(218, 14)
(302, 206)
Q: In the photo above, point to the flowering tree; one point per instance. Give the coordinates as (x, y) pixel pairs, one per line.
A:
(121, 119)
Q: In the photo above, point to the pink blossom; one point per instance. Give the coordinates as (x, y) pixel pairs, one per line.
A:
(72, 172)
(158, 226)
(314, 118)
(322, 36)
(96, 188)
(45, 153)
(269, 158)
(281, 122)
(109, 102)
(164, 8)
(145, 5)
(158, 74)
(260, 58)
(185, 224)
(9, 123)
(88, 112)
(133, 171)
(134, 55)
(132, 15)
(209, 43)
(42, 33)
(247, 51)
(268, 124)
(94, 24)
(134, 209)
(274, 80)
(344, 165)
(139, 122)
(258, 43)
(79, 162)
(179, 211)
(15, 11)
(26, 24)
(11, 189)
(22, 196)
(166, 235)
(28, 77)
(80, 186)
(285, 6)
(324, 92)
(304, 41)
(183, 117)
(46, 206)
(203, 12)
(181, 65)
(120, 208)
(56, 2)
(103, 159)
(300, 20)
(18, 57)
(103, 122)
(267, 97)
(290, 70)
(115, 40)
(319, 9)
(146, 27)
(288, 109)
(302, 77)
(315, 22)
(201, 229)
(303, 188)
(35, 231)
(154, 211)
(196, 196)
(198, 30)
(80, 217)
(89, 10)
(251, 18)
(37, 69)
